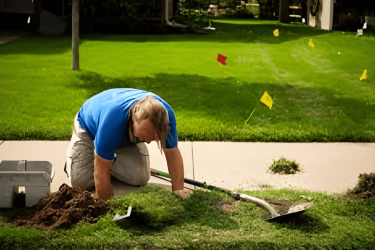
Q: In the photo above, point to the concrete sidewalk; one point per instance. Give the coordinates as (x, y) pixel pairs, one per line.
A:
(331, 167)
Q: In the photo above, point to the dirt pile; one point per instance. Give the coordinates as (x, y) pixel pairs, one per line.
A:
(62, 209)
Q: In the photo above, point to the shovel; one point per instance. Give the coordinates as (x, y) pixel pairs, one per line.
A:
(275, 216)
(120, 217)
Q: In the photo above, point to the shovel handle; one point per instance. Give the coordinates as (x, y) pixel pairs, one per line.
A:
(197, 183)
(235, 195)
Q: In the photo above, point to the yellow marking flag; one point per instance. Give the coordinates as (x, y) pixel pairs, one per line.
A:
(311, 43)
(266, 99)
(364, 76)
(276, 32)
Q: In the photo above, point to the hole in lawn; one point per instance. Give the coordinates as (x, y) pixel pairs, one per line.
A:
(226, 205)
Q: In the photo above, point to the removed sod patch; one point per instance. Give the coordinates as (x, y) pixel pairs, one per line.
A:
(284, 166)
(365, 187)
(203, 221)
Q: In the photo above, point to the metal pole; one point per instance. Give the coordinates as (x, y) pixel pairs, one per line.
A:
(75, 35)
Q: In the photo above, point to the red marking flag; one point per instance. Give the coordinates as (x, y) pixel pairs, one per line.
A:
(221, 59)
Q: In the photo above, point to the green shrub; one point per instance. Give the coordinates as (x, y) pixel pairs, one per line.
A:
(283, 166)
(130, 12)
(191, 17)
(232, 4)
(244, 13)
(192, 12)
(268, 9)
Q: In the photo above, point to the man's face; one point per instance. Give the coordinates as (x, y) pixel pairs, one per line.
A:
(144, 131)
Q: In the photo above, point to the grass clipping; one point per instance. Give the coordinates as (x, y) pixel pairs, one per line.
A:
(365, 187)
(283, 166)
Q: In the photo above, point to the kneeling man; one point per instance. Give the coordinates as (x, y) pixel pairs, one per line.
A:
(108, 139)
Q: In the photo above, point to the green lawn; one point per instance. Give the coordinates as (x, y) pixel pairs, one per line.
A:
(169, 222)
(316, 92)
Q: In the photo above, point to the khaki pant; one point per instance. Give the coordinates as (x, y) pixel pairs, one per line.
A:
(131, 165)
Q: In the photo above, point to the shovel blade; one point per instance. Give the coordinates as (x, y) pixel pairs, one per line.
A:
(293, 212)
(286, 217)
(119, 217)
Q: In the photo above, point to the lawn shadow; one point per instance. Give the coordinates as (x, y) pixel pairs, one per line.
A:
(200, 96)
(304, 223)
(251, 31)
(227, 31)
(38, 45)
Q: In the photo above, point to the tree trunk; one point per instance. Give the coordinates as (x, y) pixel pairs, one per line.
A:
(36, 17)
(75, 35)
(284, 11)
(163, 12)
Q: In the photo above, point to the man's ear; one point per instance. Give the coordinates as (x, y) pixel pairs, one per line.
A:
(156, 137)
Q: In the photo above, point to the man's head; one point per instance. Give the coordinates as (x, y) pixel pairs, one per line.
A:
(148, 122)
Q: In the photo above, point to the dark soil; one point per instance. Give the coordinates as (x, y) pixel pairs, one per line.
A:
(61, 209)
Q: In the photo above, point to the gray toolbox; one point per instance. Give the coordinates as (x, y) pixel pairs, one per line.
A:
(24, 183)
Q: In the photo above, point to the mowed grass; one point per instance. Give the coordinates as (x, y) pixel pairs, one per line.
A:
(316, 92)
(168, 222)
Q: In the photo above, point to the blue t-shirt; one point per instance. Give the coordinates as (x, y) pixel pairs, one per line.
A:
(104, 117)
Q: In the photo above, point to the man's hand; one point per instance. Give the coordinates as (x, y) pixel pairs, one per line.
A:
(183, 193)
(102, 177)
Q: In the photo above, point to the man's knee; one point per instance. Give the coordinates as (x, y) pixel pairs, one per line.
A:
(82, 182)
(133, 176)
(132, 165)
(82, 172)
(142, 180)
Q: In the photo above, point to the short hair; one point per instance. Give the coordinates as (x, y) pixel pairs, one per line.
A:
(153, 110)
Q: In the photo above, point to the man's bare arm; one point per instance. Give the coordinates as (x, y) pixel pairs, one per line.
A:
(102, 177)
(176, 171)
(175, 168)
